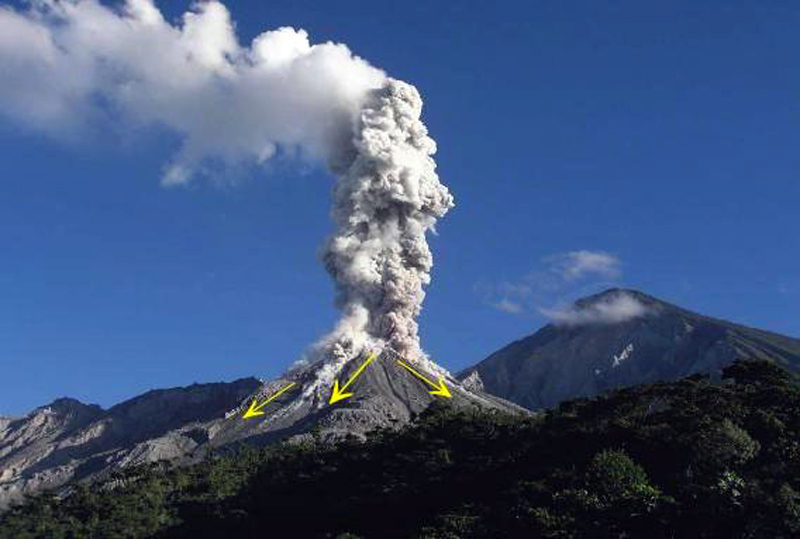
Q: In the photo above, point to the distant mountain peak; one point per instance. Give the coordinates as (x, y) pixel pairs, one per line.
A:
(68, 440)
(612, 306)
(67, 405)
(621, 337)
(68, 401)
(614, 293)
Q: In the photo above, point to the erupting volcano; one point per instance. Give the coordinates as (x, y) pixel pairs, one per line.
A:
(387, 198)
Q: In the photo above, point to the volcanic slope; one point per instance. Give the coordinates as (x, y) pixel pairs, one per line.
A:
(385, 394)
(69, 441)
(583, 357)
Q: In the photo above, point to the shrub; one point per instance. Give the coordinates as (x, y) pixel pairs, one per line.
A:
(757, 372)
(726, 445)
(731, 485)
(614, 475)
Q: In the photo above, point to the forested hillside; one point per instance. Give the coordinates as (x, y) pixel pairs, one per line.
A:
(683, 459)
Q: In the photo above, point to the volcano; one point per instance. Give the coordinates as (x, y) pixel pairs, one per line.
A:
(68, 441)
(586, 351)
(386, 394)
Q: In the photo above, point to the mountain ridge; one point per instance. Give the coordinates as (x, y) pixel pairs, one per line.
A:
(567, 360)
(68, 441)
(691, 458)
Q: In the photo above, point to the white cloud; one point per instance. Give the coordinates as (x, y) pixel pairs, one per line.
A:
(563, 274)
(612, 309)
(508, 306)
(69, 64)
(514, 290)
(578, 264)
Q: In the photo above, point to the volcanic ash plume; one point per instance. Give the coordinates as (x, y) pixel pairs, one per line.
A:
(71, 65)
(387, 198)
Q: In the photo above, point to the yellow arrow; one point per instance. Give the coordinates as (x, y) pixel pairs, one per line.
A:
(339, 394)
(438, 389)
(256, 410)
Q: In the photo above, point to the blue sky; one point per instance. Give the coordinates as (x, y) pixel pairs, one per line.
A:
(664, 136)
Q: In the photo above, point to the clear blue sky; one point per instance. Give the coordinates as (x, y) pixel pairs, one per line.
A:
(664, 133)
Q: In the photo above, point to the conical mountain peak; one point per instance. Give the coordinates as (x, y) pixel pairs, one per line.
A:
(621, 337)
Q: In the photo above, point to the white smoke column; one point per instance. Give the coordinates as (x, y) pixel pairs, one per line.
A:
(387, 198)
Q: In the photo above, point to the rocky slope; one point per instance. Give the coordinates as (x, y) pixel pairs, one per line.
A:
(70, 441)
(384, 395)
(584, 358)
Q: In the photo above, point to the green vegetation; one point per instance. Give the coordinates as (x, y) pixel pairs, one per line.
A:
(684, 459)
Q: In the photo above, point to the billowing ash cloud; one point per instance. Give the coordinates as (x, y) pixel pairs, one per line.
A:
(66, 64)
(387, 198)
(69, 64)
(611, 309)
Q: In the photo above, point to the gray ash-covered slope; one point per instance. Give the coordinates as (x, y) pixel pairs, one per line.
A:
(385, 395)
(565, 361)
(68, 441)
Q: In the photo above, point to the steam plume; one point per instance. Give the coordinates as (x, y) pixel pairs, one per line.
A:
(69, 64)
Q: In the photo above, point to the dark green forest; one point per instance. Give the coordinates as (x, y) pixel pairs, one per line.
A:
(692, 458)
